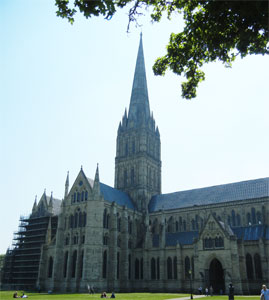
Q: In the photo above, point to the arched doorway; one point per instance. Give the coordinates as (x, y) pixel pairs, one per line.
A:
(216, 276)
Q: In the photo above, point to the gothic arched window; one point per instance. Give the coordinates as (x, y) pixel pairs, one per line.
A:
(258, 266)
(196, 222)
(107, 221)
(248, 219)
(133, 147)
(67, 240)
(129, 266)
(259, 217)
(82, 195)
(192, 267)
(175, 267)
(187, 267)
(81, 264)
(249, 266)
(118, 223)
(71, 221)
(130, 226)
(184, 226)
(118, 265)
(177, 226)
(180, 223)
(153, 268)
(132, 176)
(192, 224)
(238, 220)
(233, 218)
(105, 240)
(253, 215)
(158, 268)
(50, 267)
(119, 242)
(76, 220)
(84, 219)
(74, 264)
(104, 219)
(125, 178)
(141, 268)
(170, 225)
(126, 148)
(129, 244)
(65, 264)
(169, 268)
(80, 219)
(136, 268)
(104, 264)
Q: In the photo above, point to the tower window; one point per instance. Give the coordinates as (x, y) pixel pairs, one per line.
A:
(126, 149)
(125, 178)
(132, 176)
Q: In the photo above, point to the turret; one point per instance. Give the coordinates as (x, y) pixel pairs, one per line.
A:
(96, 184)
(35, 205)
(66, 185)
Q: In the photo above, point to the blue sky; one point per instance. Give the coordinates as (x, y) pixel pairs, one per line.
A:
(64, 90)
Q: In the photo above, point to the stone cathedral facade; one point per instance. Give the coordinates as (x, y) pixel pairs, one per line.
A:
(131, 237)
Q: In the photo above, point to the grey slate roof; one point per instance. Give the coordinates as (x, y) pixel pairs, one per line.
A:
(249, 233)
(251, 189)
(91, 181)
(56, 205)
(252, 233)
(113, 195)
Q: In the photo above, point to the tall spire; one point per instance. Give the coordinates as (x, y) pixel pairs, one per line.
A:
(139, 104)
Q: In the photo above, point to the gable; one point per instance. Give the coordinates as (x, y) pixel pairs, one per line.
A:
(80, 188)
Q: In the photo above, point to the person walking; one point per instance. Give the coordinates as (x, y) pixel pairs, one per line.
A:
(211, 291)
(264, 293)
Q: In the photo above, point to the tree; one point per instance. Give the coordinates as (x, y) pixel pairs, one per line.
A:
(214, 30)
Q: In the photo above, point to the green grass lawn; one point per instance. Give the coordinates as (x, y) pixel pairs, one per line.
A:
(122, 296)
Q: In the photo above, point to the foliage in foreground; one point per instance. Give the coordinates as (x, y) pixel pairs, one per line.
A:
(214, 30)
(5, 295)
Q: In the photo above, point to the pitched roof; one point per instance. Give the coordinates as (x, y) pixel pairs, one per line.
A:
(113, 195)
(56, 204)
(251, 189)
(252, 233)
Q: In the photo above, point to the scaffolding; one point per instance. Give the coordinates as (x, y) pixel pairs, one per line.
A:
(21, 265)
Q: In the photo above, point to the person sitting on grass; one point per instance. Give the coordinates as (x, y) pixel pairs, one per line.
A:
(24, 296)
(15, 295)
(112, 295)
(103, 295)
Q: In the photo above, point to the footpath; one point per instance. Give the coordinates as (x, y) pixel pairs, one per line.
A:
(187, 298)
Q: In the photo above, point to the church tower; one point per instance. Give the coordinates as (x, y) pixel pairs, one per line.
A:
(138, 154)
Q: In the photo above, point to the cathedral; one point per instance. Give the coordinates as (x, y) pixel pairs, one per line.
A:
(133, 238)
